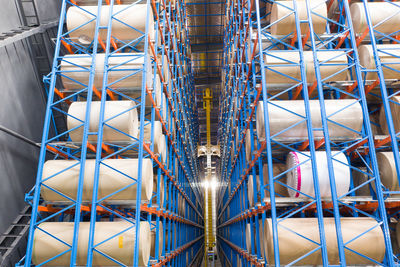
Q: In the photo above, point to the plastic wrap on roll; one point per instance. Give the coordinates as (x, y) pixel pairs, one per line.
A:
(75, 69)
(301, 177)
(346, 112)
(368, 241)
(385, 17)
(389, 56)
(120, 246)
(153, 240)
(120, 115)
(395, 110)
(129, 22)
(280, 64)
(284, 22)
(387, 170)
(114, 175)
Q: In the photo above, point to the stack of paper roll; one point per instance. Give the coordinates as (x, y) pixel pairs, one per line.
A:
(129, 22)
(385, 17)
(160, 191)
(387, 171)
(389, 55)
(280, 190)
(283, 19)
(153, 240)
(280, 66)
(120, 115)
(284, 114)
(292, 233)
(358, 179)
(395, 111)
(160, 145)
(115, 174)
(121, 74)
(300, 177)
(120, 246)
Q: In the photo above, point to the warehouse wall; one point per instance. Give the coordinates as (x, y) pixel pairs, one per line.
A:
(22, 109)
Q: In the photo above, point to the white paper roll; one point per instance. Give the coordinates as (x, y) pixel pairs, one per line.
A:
(250, 189)
(129, 22)
(153, 240)
(367, 241)
(248, 145)
(301, 177)
(333, 66)
(120, 247)
(344, 112)
(283, 17)
(248, 237)
(160, 146)
(75, 69)
(64, 178)
(383, 13)
(395, 111)
(127, 122)
(387, 170)
(389, 56)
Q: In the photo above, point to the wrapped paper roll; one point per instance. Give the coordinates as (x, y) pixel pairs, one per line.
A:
(385, 17)
(121, 74)
(344, 112)
(358, 179)
(389, 56)
(161, 192)
(153, 240)
(280, 190)
(120, 115)
(301, 177)
(129, 22)
(387, 170)
(115, 174)
(284, 22)
(120, 246)
(280, 64)
(395, 110)
(368, 241)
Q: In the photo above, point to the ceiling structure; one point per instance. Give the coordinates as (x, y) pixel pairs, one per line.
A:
(206, 32)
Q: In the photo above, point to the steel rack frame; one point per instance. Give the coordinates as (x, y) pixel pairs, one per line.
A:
(248, 41)
(178, 119)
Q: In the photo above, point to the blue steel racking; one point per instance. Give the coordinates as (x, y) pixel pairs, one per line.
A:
(248, 42)
(164, 54)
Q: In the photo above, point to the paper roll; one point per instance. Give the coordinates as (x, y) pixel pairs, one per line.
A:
(398, 233)
(385, 14)
(301, 177)
(129, 22)
(121, 74)
(389, 57)
(248, 145)
(367, 241)
(395, 111)
(115, 174)
(344, 112)
(358, 179)
(387, 170)
(280, 64)
(118, 114)
(120, 247)
(284, 22)
(153, 240)
(280, 190)
(161, 192)
(248, 237)
(160, 146)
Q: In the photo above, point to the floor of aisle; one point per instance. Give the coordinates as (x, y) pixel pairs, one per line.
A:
(217, 264)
